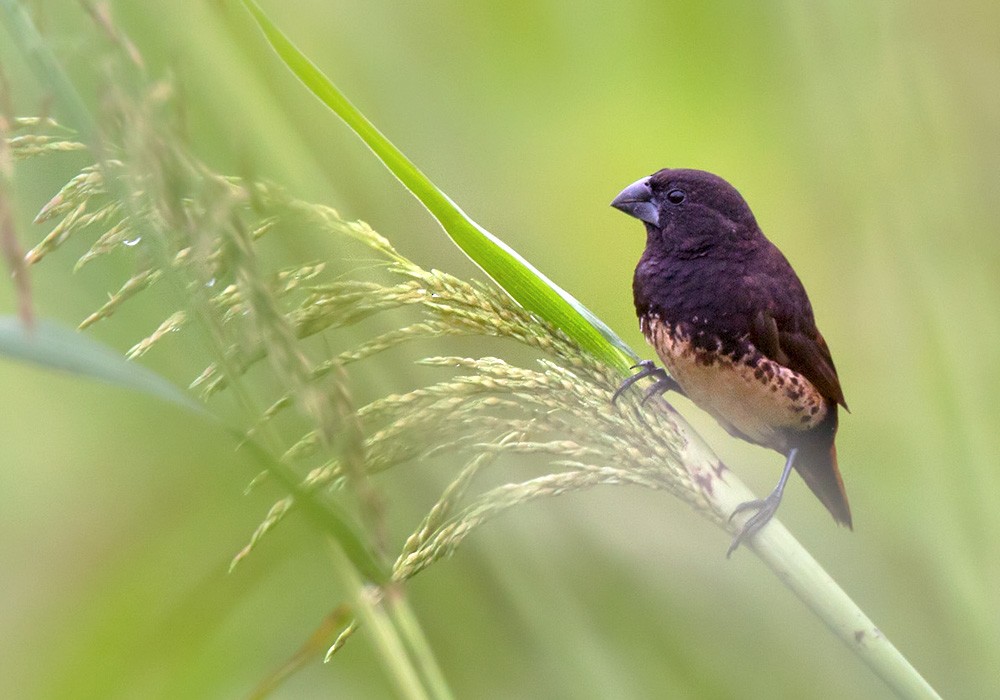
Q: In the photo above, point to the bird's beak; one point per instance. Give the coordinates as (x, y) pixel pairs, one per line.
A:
(637, 200)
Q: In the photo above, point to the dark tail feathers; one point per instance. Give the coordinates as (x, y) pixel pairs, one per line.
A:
(816, 463)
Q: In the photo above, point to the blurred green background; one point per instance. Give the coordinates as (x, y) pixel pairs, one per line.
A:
(866, 137)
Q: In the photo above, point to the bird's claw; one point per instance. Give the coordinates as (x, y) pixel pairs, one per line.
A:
(647, 368)
(765, 507)
(664, 383)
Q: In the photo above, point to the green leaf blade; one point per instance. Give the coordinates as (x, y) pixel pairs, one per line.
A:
(52, 346)
(55, 347)
(519, 278)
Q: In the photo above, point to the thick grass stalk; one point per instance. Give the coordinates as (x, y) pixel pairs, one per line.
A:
(801, 573)
(395, 633)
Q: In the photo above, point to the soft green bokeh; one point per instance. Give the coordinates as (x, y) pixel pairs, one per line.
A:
(865, 137)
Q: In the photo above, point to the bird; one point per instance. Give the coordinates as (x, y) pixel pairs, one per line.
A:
(732, 324)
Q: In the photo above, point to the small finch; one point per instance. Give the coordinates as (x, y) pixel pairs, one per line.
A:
(733, 327)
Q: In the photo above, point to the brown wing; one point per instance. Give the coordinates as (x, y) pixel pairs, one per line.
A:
(808, 354)
(802, 351)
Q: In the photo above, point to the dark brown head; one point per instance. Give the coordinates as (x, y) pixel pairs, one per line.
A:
(678, 205)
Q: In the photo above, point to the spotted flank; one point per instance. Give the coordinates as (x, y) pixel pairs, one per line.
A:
(753, 397)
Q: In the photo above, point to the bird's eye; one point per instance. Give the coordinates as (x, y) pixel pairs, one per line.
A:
(676, 196)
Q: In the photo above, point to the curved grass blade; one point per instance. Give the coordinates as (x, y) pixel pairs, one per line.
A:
(519, 278)
(53, 346)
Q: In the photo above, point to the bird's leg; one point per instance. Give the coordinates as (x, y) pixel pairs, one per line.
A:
(647, 368)
(765, 507)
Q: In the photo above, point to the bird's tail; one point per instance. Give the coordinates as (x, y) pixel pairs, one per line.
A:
(816, 463)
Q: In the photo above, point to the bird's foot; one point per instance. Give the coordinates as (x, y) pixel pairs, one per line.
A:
(765, 507)
(647, 368)
(663, 384)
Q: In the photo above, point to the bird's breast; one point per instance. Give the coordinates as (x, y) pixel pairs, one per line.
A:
(750, 395)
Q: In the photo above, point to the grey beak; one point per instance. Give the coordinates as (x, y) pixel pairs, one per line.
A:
(637, 200)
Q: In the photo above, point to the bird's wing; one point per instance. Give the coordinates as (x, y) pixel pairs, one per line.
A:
(800, 347)
(804, 351)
